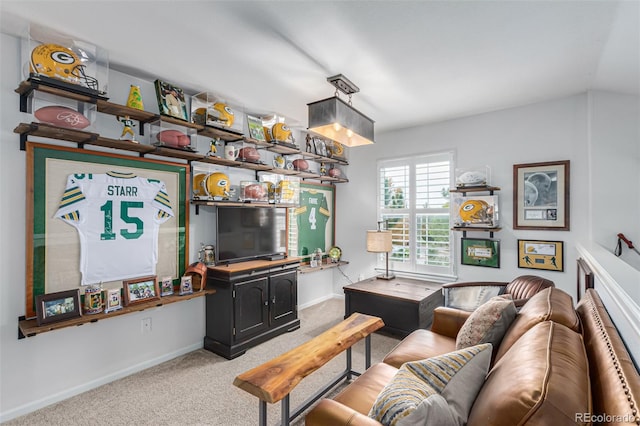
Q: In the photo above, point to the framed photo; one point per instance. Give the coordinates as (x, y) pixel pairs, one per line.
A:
(321, 148)
(141, 290)
(113, 300)
(256, 129)
(480, 252)
(58, 306)
(546, 255)
(541, 196)
(171, 101)
(53, 248)
(166, 287)
(186, 285)
(312, 224)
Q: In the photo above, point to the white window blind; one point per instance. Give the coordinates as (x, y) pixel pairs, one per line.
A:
(414, 200)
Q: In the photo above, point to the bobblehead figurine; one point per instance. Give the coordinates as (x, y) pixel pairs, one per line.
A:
(127, 129)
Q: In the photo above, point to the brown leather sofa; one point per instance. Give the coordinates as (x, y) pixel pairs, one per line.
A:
(520, 289)
(556, 365)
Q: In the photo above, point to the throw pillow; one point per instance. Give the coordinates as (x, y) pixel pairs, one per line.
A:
(487, 324)
(468, 298)
(416, 393)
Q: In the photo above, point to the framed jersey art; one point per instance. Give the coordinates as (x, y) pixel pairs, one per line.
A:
(312, 224)
(101, 218)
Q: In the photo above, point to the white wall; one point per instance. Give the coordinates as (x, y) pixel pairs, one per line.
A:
(615, 171)
(547, 131)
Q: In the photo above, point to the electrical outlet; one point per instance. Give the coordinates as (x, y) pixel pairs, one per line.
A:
(146, 325)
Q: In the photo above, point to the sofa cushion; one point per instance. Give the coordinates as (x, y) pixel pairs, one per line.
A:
(487, 324)
(468, 298)
(420, 344)
(362, 392)
(542, 380)
(551, 304)
(415, 394)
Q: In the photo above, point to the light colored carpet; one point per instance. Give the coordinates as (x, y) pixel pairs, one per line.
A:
(197, 388)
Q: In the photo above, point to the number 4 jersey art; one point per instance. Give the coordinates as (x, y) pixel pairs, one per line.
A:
(118, 217)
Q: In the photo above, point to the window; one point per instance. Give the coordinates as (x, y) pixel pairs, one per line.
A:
(413, 197)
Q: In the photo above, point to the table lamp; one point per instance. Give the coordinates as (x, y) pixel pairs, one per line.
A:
(381, 241)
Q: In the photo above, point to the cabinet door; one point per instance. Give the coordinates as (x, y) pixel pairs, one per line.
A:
(251, 308)
(283, 296)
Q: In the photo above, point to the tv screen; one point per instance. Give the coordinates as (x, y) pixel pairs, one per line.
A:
(246, 233)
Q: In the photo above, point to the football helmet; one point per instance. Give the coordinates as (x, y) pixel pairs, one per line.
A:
(62, 63)
(217, 185)
(281, 132)
(474, 211)
(226, 115)
(198, 273)
(285, 190)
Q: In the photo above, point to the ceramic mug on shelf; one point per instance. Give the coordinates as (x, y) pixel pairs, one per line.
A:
(230, 152)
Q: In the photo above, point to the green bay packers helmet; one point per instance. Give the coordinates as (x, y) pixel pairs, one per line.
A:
(281, 132)
(62, 63)
(225, 113)
(217, 185)
(474, 211)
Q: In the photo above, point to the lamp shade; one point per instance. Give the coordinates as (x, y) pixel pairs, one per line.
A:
(379, 241)
(339, 121)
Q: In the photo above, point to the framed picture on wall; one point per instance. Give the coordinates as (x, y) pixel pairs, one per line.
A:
(541, 196)
(536, 254)
(480, 252)
(141, 290)
(312, 224)
(55, 178)
(58, 306)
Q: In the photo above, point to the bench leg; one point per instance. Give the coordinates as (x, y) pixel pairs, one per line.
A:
(367, 352)
(349, 368)
(262, 413)
(284, 415)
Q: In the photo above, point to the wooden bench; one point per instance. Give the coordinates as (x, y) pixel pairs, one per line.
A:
(274, 380)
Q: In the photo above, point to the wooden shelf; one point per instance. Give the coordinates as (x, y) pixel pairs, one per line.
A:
(218, 133)
(30, 328)
(240, 204)
(323, 159)
(121, 110)
(178, 153)
(305, 269)
(484, 188)
(475, 229)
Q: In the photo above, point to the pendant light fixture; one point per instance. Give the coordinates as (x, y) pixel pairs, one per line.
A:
(338, 120)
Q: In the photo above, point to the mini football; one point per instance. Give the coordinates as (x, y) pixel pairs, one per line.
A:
(472, 178)
(174, 138)
(249, 153)
(301, 164)
(62, 117)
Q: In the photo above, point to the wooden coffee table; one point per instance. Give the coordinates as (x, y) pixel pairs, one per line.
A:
(403, 304)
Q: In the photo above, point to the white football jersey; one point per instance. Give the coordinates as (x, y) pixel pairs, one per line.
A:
(118, 216)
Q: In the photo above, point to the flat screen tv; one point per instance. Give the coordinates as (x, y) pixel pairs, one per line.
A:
(249, 233)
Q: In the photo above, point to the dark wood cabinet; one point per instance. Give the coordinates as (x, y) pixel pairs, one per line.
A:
(255, 302)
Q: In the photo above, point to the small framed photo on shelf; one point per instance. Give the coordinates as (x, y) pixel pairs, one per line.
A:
(480, 252)
(58, 306)
(186, 285)
(256, 129)
(546, 255)
(321, 148)
(171, 100)
(113, 300)
(166, 287)
(541, 196)
(141, 290)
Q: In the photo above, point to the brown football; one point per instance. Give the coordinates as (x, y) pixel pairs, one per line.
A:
(249, 153)
(334, 173)
(301, 164)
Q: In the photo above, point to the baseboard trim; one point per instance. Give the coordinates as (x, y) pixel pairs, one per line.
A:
(320, 300)
(68, 393)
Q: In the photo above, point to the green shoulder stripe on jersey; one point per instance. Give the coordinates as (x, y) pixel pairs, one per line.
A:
(153, 180)
(70, 196)
(122, 175)
(74, 216)
(163, 198)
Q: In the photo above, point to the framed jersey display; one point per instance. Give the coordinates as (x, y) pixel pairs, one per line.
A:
(101, 218)
(312, 224)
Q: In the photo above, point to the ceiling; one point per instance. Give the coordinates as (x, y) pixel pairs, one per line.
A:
(414, 61)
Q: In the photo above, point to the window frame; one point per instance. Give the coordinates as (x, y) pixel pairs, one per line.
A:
(412, 268)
